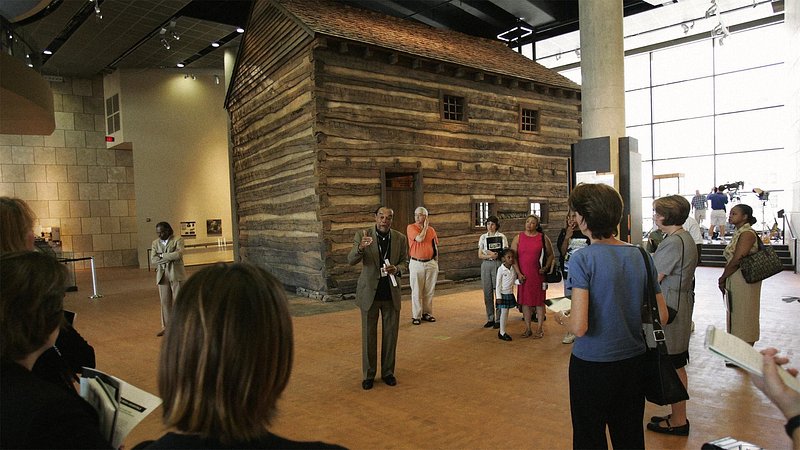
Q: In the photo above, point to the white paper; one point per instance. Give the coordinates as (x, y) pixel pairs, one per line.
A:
(742, 354)
(559, 304)
(121, 406)
(391, 275)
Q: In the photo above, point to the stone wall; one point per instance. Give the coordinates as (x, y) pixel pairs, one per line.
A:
(72, 181)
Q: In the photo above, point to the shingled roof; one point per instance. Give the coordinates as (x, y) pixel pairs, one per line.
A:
(414, 38)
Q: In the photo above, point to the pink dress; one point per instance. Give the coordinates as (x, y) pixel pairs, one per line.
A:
(529, 251)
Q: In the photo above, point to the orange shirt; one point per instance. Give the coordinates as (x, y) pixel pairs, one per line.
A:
(421, 250)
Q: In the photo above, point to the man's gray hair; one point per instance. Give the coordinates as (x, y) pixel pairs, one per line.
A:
(421, 209)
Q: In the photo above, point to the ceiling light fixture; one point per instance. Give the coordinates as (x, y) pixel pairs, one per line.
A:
(216, 79)
(240, 30)
(215, 44)
(97, 14)
(165, 43)
(175, 35)
(47, 52)
(181, 65)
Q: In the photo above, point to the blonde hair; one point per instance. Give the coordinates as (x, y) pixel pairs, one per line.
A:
(227, 353)
(16, 220)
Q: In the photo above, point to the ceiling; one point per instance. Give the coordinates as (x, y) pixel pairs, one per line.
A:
(129, 34)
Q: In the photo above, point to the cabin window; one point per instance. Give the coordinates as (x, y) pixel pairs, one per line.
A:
(481, 210)
(539, 208)
(112, 114)
(529, 120)
(453, 108)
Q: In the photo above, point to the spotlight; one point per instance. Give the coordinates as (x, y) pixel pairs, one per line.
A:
(193, 77)
(175, 36)
(240, 30)
(180, 65)
(215, 44)
(47, 52)
(216, 79)
(97, 14)
(685, 28)
(165, 43)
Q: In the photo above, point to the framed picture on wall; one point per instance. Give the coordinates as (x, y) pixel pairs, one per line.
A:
(214, 227)
(188, 229)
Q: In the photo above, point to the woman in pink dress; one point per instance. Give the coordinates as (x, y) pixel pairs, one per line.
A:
(531, 293)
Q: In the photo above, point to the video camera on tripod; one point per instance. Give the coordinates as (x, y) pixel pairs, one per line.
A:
(733, 189)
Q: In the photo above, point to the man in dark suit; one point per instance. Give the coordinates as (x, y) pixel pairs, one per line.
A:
(383, 253)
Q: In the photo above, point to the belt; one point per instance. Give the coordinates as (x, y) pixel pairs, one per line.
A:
(421, 260)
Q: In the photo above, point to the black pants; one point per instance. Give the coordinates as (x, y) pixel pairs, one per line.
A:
(606, 394)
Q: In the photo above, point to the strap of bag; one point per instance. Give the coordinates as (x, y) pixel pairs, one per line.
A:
(544, 254)
(650, 306)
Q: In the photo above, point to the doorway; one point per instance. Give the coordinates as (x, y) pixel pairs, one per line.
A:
(400, 195)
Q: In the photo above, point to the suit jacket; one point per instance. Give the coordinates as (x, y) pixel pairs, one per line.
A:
(170, 264)
(371, 270)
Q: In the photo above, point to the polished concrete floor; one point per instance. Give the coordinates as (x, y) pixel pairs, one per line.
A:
(459, 387)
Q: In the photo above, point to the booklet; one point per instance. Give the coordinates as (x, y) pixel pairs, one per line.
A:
(121, 406)
(558, 304)
(742, 354)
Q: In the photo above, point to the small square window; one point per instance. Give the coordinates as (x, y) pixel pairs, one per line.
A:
(481, 210)
(540, 209)
(453, 108)
(529, 120)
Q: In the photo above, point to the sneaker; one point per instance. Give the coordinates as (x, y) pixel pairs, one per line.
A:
(569, 338)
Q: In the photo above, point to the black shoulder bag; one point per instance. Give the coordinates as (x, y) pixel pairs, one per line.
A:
(662, 385)
(554, 275)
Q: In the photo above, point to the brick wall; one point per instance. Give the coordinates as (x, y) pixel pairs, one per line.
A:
(72, 181)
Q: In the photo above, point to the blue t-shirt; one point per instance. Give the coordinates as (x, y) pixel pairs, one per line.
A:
(718, 201)
(615, 277)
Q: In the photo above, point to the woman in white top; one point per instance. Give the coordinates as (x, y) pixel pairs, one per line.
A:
(490, 245)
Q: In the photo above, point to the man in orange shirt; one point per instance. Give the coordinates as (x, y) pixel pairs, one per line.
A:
(423, 267)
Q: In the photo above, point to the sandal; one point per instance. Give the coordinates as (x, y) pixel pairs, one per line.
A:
(538, 335)
(682, 430)
(428, 318)
(415, 321)
(527, 333)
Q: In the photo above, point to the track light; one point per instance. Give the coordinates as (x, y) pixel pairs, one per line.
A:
(578, 52)
(215, 44)
(175, 35)
(97, 14)
(216, 79)
(240, 30)
(47, 52)
(558, 56)
(165, 43)
(711, 9)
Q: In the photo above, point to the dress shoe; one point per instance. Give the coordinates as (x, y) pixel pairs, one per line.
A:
(496, 325)
(428, 318)
(390, 380)
(664, 427)
(367, 384)
(489, 324)
(504, 337)
(160, 333)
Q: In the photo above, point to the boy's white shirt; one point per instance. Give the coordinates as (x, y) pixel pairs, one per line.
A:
(505, 280)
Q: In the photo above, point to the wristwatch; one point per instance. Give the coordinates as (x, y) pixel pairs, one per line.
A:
(792, 425)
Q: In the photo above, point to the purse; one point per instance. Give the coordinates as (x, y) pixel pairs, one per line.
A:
(554, 275)
(662, 385)
(760, 265)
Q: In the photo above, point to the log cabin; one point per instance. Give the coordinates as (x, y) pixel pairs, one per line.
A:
(336, 111)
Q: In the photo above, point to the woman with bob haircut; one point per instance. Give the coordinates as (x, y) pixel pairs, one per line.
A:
(676, 260)
(744, 299)
(36, 413)
(17, 218)
(225, 360)
(608, 281)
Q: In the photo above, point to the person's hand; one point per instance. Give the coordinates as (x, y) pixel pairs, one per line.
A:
(391, 270)
(366, 241)
(425, 225)
(561, 316)
(784, 397)
(542, 270)
(492, 255)
(721, 283)
(522, 277)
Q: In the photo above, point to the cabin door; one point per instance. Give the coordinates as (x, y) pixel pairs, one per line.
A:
(400, 196)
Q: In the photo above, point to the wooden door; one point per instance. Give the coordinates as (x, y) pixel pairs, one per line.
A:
(400, 197)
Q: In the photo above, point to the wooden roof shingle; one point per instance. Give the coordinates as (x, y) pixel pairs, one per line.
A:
(414, 38)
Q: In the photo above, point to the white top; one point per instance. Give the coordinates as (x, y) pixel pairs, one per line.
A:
(482, 242)
(505, 280)
(694, 229)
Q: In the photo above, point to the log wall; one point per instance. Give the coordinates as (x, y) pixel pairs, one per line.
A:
(378, 110)
(274, 156)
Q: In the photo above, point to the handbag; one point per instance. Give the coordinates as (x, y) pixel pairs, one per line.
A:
(662, 385)
(760, 265)
(554, 275)
(673, 312)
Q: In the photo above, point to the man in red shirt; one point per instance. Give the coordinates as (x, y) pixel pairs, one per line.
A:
(423, 267)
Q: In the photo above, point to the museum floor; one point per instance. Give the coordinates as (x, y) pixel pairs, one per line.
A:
(459, 387)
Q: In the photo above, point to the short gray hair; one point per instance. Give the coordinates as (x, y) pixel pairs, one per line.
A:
(421, 209)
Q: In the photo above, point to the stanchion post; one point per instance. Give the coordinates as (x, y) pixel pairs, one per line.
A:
(94, 281)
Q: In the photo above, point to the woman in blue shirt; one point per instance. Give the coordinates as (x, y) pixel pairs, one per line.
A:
(608, 280)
